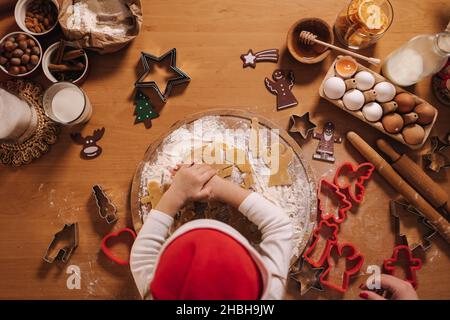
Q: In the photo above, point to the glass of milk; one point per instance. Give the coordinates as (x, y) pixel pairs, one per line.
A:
(67, 104)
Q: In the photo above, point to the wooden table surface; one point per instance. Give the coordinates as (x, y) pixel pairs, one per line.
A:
(36, 200)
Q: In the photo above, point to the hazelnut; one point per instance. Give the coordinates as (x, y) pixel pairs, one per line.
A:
(15, 61)
(31, 43)
(9, 45)
(34, 59)
(25, 59)
(17, 53)
(23, 44)
(13, 70)
(3, 60)
(21, 37)
(12, 39)
(22, 69)
(30, 67)
(27, 51)
(35, 50)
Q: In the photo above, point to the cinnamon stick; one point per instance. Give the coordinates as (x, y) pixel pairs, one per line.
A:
(65, 68)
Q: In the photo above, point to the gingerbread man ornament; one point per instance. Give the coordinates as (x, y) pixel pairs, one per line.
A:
(325, 149)
(281, 87)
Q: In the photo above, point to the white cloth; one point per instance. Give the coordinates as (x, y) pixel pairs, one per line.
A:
(273, 255)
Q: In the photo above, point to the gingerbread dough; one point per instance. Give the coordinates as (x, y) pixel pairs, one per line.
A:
(254, 138)
(155, 192)
(279, 175)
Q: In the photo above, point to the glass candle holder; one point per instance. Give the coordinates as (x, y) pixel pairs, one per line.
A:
(363, 22)
(67, 104)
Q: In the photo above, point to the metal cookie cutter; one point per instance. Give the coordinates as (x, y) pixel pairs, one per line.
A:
(106, 209)
(63, 244)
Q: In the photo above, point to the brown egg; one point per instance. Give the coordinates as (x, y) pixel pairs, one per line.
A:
(392, 122)
(405, 102)
(425, 112)
(413, 134)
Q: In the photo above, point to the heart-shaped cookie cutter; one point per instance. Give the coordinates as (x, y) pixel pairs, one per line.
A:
(108, 252)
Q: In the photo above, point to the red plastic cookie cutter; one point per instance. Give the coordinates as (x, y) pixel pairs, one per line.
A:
(413, 264)
(326, 211)
(345, 177)
(108, 252)
(325, 231)
(353, 263)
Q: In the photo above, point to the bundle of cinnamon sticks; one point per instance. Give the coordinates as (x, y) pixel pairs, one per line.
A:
(67, 65)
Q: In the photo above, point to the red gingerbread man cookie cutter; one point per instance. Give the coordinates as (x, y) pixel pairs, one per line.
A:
(354, 261)
(330, 230)
(360, 173)
(343, 204)
(414, 264)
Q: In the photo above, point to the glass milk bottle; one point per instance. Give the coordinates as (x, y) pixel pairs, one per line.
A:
(420, 57)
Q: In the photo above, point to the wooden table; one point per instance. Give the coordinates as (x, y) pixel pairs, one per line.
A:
(36, 200)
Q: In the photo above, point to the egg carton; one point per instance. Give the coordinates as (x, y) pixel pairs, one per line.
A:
(358, 114)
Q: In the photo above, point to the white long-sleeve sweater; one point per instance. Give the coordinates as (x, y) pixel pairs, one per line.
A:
(273, 256)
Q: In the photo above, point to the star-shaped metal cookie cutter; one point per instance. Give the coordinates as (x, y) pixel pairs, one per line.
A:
(436, 159)
(301, 124)
(179, 79)
(307, 277)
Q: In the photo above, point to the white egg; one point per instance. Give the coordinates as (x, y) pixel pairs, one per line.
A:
(364, 80)
(334, 88)
(353, 99)
(385, 91)
(372, 111)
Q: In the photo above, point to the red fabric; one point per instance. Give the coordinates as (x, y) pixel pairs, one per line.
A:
(206, 264)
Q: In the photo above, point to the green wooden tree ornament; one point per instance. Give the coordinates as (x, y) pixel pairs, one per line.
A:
(144, 111)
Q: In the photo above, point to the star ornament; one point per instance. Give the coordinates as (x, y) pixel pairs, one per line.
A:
(307, 277)
(147, 59)
(301, 124)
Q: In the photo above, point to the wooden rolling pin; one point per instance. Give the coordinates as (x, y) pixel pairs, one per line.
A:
(416, 177)
(402, 187)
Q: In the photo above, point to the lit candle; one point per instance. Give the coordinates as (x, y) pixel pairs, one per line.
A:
(17, 119)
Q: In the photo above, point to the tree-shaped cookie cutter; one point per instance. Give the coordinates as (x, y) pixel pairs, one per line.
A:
(343, 206)
(106, 209)
(426, 239)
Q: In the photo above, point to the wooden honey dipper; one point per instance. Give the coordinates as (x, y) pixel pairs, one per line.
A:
(310, 38)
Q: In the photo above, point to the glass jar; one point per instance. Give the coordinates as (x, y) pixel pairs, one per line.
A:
(418, 58)
(363, 22)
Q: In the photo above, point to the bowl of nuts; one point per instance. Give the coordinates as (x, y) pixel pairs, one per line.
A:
(37, 17)
(20, 54)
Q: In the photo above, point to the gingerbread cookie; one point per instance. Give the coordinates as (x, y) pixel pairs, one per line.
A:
(281, 86)
(155, 192)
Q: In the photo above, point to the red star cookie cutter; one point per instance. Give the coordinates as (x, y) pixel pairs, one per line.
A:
(326, 211)
(106, 250)
(326, 231)
(413, 264)
(353, 263)
(351, 179)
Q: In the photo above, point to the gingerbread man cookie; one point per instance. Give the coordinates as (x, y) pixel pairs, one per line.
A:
(281, 87)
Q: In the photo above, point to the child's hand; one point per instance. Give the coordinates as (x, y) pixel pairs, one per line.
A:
(399, 289)
(226, 191)
(188, 185)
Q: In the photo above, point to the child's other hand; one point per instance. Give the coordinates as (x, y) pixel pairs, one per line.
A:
(399, 289)
(188, 185)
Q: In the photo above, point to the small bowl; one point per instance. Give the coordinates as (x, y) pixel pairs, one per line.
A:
(309, 54)
(40, 56)
(20, 11)
(46, 60)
